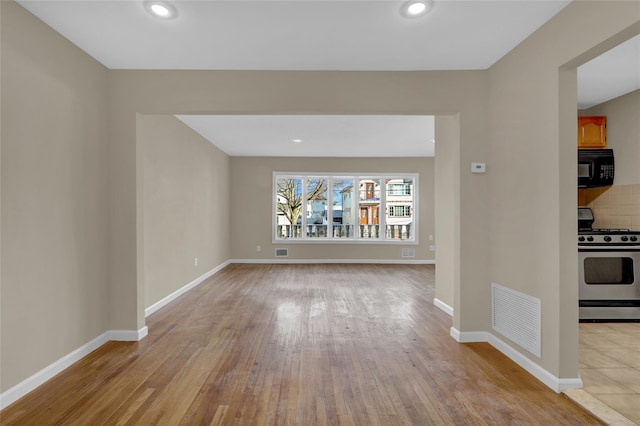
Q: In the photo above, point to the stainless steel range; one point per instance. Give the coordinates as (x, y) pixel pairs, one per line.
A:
(609, 260)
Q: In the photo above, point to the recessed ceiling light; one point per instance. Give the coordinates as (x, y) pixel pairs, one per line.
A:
(416, 8)
(296, 140)
(161, 9)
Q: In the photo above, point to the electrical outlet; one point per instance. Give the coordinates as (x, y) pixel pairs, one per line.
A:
(258, 248)
(432, 248)
(409, 252)
(195, 262)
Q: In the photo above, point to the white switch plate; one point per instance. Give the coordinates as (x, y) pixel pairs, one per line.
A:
(478, 167)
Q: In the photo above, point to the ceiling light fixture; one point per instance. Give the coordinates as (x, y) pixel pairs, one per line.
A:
(296, 140)
(161, 9)
(416, 8)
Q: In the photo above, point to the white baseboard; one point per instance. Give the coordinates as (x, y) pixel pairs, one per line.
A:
(173, 296)
(555, 383)
(443, 306)
(128, 335)
(316, 261)
(21, 389)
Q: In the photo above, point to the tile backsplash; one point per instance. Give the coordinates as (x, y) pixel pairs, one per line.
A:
(617, 207)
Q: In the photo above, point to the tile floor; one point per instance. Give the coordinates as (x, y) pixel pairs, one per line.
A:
(610, 365)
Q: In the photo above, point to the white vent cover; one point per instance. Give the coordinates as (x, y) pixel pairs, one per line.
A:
(408, 252)
(282, 252)
(516, 316)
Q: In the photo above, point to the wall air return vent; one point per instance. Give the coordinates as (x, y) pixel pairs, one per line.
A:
(517, 316)
(282, 252)
(408, 252)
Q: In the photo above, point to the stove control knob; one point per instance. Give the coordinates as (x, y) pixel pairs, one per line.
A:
(624, 238)
(634, 238)
(607, 238)
(589, 238)
(580, 238)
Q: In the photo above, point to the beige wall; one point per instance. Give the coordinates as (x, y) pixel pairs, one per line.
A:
(54, 197)
(447, 211)
(251, 201)
(186, 205)
(533, 117)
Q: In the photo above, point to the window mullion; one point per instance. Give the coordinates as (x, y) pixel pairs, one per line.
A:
(356, 208)
(382, 216)
(329, 207)
(303, 222)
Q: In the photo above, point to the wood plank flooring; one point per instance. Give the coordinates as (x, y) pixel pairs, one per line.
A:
(299, 345)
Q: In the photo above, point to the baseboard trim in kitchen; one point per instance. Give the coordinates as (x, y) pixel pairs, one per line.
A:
(21, 389)
(553, 382)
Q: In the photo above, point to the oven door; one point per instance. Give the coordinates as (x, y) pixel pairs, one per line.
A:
(609, 285)
(610, 274)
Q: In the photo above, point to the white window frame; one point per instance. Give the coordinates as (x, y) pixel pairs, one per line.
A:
(356, 177)
(405, 209)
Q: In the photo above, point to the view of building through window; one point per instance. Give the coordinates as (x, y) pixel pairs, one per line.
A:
(345, 207)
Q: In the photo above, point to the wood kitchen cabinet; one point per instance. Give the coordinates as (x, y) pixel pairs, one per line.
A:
(592, 131)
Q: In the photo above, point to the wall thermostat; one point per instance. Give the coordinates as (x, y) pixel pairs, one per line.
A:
(478, 167)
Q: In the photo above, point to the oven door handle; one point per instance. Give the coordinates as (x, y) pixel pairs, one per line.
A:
(608, 247)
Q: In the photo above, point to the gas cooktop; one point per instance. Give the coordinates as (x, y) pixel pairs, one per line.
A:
(587, 235)
(608, 236)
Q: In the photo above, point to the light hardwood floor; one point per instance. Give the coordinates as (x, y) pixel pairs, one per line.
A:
(299, 345)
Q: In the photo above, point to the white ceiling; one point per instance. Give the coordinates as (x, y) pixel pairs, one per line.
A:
(612, 74)
(296, 34)
(311, 35)
(320, 135)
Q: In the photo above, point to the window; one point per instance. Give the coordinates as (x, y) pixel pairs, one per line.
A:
(400, 211)
(345, 207)
(399, 189)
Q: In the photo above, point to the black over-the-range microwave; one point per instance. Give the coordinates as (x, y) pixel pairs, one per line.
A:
(595, 168)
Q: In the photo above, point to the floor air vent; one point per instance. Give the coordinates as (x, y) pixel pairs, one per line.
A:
(408, 252)
(516, 316)
(282, 252)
